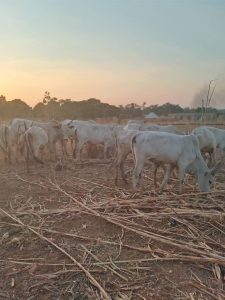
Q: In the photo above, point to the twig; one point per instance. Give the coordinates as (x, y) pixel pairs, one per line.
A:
(87, 273)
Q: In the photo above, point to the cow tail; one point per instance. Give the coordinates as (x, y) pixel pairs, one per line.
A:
(116, 150)
(28, 141)
(75, 135)
(76, 141)
(5, 139)
(133, 141)
(6, 144)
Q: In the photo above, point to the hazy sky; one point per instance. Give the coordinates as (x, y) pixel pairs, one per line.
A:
(119, 51)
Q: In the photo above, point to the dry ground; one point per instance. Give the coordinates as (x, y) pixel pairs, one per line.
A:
(136, 246)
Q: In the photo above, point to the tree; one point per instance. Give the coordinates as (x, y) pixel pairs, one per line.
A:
(17, 108)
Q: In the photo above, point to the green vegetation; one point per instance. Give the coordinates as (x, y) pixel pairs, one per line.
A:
(60, 109)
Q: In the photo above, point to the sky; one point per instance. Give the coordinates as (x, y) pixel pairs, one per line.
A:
(118, 51)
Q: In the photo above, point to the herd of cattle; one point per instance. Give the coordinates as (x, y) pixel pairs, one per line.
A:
(164, 146)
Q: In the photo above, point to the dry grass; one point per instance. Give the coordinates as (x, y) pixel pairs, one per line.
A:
(74, 235)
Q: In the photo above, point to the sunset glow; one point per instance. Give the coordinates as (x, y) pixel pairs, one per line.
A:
(118, 51)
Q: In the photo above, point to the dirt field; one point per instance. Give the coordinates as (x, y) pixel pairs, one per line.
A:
(135, 246)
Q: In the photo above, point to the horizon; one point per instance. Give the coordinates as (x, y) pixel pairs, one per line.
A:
(119, 52)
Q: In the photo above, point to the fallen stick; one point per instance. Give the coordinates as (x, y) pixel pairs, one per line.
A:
(210, 256)
(92, 280)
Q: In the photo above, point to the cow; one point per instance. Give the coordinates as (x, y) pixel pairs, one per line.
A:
(161, 128)
(94, 134)
(32, 143)
(219, 135)
(15, 128)
(19, 126)
(123, 147)
(68, 128)
(176, 151)
(153, 127)
(207, 142)
(53, 129)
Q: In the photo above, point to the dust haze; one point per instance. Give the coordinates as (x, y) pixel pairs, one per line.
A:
(218, 98)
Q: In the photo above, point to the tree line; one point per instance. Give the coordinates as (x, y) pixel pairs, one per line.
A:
(60, 109)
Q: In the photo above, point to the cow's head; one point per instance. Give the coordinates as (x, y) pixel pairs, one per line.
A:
(206, 179)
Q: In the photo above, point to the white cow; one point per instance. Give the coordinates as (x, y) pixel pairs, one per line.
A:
(207, 142)
(174, 150)
(19, 126)
(15, 129)
(32, 143)
(94, 134)
(123, 146)
(220, 138)
(68, 128)
(153, 127)
(161, 128)
(53, 129)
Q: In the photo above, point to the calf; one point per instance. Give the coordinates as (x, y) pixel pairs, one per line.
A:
(174, 150)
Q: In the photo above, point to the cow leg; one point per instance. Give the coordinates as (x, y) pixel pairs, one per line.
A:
(71, 145)
(9, 155)
(222, 150)
(166, 177)
(137, 172)
(17, 154)
(105, 150)
(155, 169)
(41, 153)
(212, 158)
(119, 164)
(181, 173)
(122, 172)
(51, 151)
(27, 158)
(64, 148)
(77, 151)
(115, 163)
